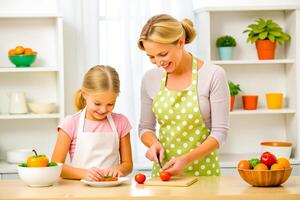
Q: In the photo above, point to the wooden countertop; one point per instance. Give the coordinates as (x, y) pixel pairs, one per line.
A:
(223, 187)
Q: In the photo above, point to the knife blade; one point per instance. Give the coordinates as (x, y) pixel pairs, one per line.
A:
(157, 155)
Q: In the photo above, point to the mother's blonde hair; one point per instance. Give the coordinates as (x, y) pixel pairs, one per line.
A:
(167, 30)
(98, 79)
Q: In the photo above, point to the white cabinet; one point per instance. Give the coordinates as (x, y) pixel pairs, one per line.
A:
(249, 128)
(42, 82)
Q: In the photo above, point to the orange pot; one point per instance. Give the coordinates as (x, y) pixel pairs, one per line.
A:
(250, 102)
(265, 49)
(232, 99)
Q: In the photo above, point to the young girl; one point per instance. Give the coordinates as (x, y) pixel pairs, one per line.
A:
(97, 139)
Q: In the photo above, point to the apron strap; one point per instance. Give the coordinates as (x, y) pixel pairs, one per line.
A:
(112, 123)
(81, 121)
(163, 81)
(194, 76)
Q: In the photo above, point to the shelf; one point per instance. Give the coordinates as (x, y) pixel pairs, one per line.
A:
(29, 116)
(8, 168)
(28, 69)
(253, 62)
(29, 15)
(248, 8)
(231, 160)
(262, 111)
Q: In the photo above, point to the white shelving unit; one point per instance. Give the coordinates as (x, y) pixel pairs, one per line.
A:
(249, 128)
(42, 82)
(253, 62)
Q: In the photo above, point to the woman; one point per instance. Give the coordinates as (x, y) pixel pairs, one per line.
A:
(187, 96)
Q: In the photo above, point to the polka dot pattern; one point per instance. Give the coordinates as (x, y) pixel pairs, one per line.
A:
(182, 128)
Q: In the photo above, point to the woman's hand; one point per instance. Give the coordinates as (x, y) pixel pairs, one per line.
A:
(112, 171)
(94, 174)
(153, 151)
(175, 165)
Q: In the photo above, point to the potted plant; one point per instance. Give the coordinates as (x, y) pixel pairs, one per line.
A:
(250, 102)
(265, 34)
(225, 45)
(234, 90)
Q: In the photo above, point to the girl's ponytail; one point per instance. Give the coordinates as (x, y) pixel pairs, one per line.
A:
(79, 101)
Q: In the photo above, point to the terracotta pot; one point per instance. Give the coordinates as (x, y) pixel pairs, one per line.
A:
(265, 49)
(250, 102)
(274, 100)
(232, 99)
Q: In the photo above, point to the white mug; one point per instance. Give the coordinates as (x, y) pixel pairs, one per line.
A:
(18, 103)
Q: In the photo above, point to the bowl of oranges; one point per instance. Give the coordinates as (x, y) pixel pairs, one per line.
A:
(38, 171)
(22, 56)
(266, 171)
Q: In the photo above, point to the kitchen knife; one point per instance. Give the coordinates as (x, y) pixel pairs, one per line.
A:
(159, 161)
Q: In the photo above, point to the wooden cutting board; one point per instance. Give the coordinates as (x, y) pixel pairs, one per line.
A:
(176, 181)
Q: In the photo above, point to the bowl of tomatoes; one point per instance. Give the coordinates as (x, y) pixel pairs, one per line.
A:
(266, 171)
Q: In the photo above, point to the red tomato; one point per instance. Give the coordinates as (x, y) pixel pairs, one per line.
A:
(165, 176)
(268, 159)
(140, 178)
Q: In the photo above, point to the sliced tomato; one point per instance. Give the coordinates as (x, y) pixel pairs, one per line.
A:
(108, 178)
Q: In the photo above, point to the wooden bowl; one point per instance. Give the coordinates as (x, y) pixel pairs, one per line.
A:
(265, 178)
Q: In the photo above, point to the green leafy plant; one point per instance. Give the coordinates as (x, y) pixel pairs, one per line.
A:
(266, 30)
(52, 164)
(234, 88)
(226, 41)
(23, 165)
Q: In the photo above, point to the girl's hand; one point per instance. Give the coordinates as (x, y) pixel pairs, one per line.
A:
(112, 171)
(153, 151)
(94, 174)
(175, 165)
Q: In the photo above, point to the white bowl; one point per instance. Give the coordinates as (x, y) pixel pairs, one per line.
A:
(279, 149)
(41, 108)
(40, 176)
(18, 155)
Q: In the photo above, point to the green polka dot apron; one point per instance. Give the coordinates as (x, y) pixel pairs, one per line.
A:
(182, 127)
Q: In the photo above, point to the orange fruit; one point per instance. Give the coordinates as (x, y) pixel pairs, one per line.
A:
(19, 50)
(285, 163)
(34, 52)
(11, 52)
(277, 166)
(244, 164)
(28, 51)
(260, 166)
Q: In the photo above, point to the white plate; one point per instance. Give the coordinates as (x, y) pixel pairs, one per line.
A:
(105, 183)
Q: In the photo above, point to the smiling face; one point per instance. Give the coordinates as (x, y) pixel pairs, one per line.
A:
(167, 56)
(99, 104)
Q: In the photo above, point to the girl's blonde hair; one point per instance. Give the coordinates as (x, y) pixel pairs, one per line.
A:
(167, 30)
(98, 79)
